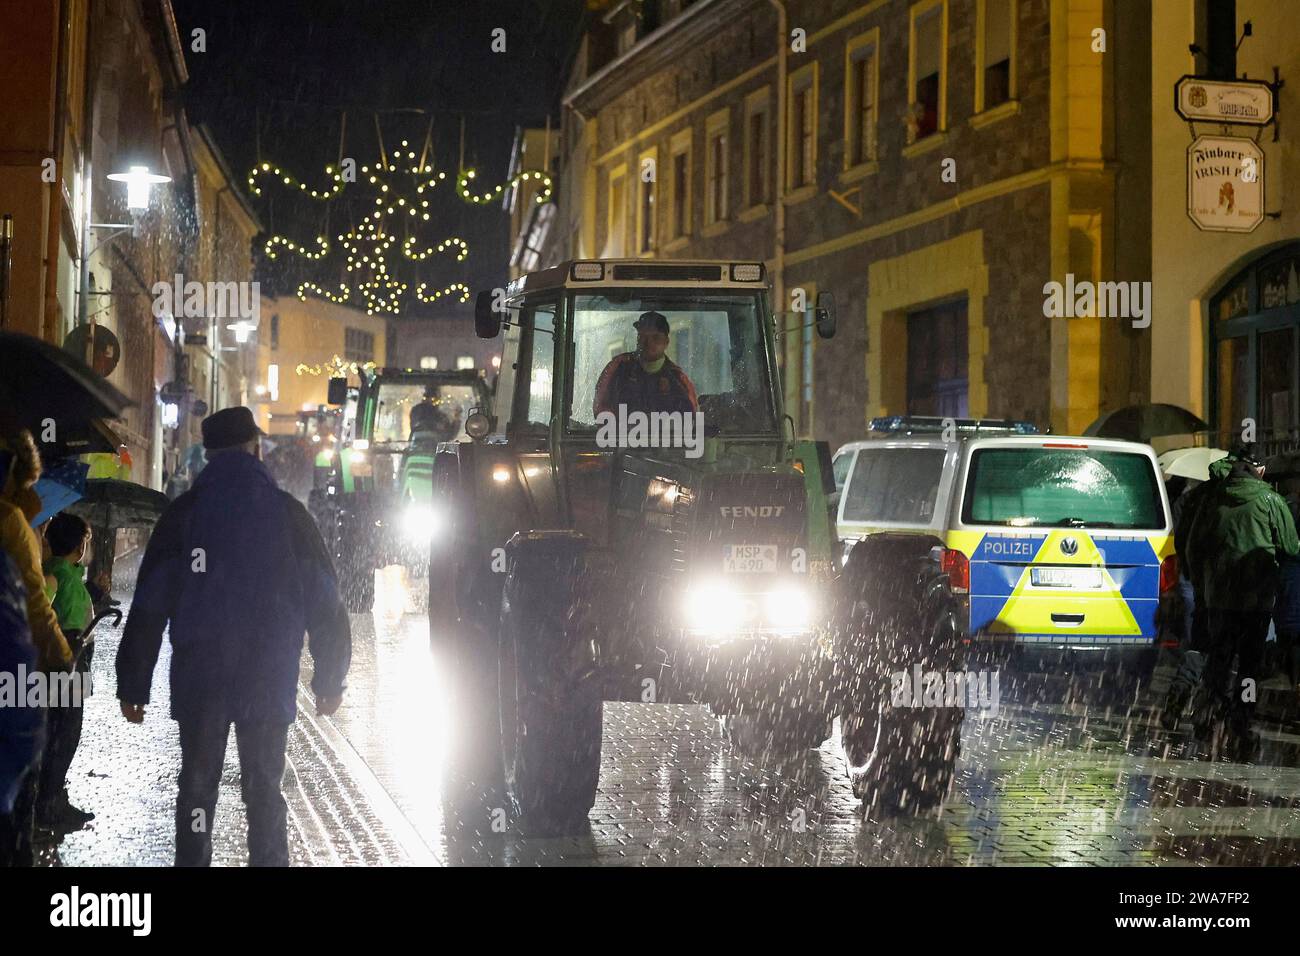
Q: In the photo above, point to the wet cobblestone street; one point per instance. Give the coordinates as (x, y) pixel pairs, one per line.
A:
(1042, 785)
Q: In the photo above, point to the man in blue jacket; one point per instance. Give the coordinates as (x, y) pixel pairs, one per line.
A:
(238, 570)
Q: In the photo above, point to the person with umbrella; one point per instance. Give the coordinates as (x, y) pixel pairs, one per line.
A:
(20, 467)
(1238, 536)
(1191, 477)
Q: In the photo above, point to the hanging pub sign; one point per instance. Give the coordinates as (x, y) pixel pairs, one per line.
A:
(1225, 183)
(1244, 102)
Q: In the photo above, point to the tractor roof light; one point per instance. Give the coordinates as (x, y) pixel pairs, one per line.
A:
(588, 271)
(747, 272)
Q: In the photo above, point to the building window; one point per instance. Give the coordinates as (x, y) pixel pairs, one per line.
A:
(1255, 353)
(273, 381)
(756, 148)
(803, 127)
(716, 167)
(680, 211)
(464, 362)
(428, 361)
(938, 361)
(861, 78)
(647, 181)
(994, 77)
(275, 332)
(927, 93)
(358, 345)
(617, 212)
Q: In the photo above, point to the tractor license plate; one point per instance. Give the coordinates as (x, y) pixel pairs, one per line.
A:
(749, 558)
(1065, 577)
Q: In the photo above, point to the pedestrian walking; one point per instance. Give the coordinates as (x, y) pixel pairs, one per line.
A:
(1240, 533)
(238, 570)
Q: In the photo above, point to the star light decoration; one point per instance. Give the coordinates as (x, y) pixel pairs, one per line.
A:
(334, 368)
(371, 248)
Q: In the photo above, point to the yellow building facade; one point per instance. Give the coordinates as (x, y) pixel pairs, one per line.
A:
(296, 343)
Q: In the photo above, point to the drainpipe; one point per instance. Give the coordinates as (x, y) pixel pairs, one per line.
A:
(778, 191)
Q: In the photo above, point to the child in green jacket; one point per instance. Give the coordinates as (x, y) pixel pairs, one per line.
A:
(68, 537)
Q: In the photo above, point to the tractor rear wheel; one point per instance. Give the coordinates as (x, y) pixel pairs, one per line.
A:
(550, 718)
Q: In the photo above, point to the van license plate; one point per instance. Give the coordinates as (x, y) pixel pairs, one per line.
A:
(1065, 577)
(749, 558)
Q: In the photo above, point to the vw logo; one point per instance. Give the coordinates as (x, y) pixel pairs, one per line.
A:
(1069, 546)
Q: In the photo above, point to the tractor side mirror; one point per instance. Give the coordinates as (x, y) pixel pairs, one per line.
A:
(487, 320)
(338, 391)
(824, 314)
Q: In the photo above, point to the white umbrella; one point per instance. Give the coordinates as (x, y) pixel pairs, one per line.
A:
(1189, 462)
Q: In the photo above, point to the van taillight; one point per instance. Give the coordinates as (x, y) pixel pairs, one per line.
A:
(1169, 573)
(957, 566)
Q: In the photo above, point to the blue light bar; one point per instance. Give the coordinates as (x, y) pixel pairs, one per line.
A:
(933, 425)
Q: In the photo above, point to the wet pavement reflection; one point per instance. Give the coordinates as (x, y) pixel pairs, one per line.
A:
(1051, 780)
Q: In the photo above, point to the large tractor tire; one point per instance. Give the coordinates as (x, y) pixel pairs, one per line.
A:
(896, 614)
(550, 702)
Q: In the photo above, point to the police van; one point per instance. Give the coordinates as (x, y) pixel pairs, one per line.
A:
(1046, 541)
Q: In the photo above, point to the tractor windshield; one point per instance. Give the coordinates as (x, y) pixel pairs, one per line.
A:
(409, 412)
(671, 350)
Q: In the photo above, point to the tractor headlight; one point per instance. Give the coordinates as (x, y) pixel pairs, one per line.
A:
(714, 607)
(789, 608)
(717, 607)
(419, 523)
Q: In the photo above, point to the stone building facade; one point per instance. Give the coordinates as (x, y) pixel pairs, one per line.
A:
(939, 162)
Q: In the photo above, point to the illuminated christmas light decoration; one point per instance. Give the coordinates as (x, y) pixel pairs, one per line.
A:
(466, 178)
(334, 368)
(371, 252)
(434, 297)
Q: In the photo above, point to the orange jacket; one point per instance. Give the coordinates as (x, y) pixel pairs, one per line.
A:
(19, 540)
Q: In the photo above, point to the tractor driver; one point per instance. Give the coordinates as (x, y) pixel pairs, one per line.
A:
(646, 380)
(430, 424)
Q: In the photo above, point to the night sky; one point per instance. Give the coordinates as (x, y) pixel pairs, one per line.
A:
(278, 76)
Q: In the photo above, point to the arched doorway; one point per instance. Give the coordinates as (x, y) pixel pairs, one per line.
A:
(1254, 352)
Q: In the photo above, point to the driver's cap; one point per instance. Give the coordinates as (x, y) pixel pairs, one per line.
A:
(652, 321)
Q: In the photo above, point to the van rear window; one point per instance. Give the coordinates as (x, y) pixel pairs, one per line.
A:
(894, 485)
(1062, 488)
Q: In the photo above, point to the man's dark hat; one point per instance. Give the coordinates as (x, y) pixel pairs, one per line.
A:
(229, 427)
(654, 321)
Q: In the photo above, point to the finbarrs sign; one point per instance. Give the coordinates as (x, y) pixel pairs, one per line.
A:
(1246, 102)
(1225, 184)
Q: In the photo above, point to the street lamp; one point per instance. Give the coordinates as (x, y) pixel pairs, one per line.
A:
(138, 181)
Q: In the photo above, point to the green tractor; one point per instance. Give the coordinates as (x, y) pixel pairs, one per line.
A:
(374, 506)
(630, 524)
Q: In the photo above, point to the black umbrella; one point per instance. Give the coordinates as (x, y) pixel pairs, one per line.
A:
(112, 503)
(1144, 422)
(42, 383)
